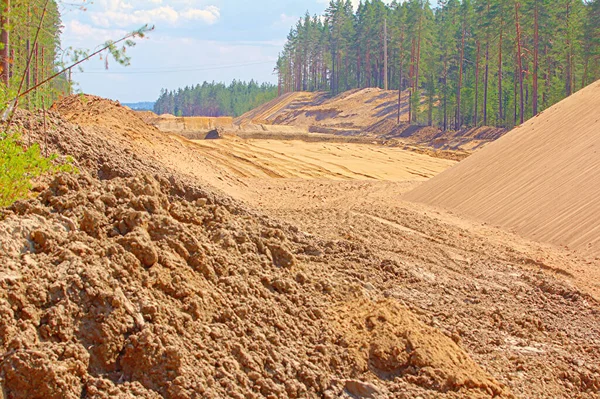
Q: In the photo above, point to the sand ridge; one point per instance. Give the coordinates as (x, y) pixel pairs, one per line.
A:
(542, 179)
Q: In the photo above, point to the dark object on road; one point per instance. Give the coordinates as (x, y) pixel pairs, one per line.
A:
(214, 134)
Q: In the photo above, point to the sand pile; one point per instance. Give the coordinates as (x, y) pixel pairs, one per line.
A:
(278, 107)
(370, 112)
(542, 179)
(348, 112)
(144, 284)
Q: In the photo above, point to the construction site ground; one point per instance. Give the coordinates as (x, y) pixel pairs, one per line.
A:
(333, 285)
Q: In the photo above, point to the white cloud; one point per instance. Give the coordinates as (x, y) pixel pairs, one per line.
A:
(123, 13)
(209, 14)
(86, 34)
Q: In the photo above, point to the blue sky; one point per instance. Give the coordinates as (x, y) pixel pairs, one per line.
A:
(194, 41)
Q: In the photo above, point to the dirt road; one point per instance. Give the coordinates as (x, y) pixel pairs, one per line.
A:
(523, 310)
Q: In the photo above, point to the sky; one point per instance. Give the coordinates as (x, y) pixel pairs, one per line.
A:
(193, 41)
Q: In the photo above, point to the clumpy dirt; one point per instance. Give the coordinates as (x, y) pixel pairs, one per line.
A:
(526, 312)
(135, 278)
(118, 286)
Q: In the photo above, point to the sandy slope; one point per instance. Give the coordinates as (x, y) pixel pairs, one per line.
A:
(350, 111)
(371, 112)
(270, 111)
(542, 179)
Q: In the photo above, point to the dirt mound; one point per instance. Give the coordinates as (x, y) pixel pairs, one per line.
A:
(388, 340)
(147, 116)
(542, 179)
(116, 285)
(266, 113)
(96, 111)
(371, 112)
(133, 279)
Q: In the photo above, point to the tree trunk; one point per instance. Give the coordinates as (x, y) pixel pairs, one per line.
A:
(536, 48)
(430, 105)
(337, 75)
(385, 56)
(418, 58)
(412, 84)
(500, 108)
(400, 85)
(368, 65)
(28, 73)
(333, 72)
(568, 86)
(36, 72)
(5, 40)
(358, 82)
(445, 93)
(42, 67)
(515, 94)
(477, 83)
(519, 65)
(346, 72)
(460, 77)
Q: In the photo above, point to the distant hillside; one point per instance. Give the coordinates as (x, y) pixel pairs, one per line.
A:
(370, 111)
(142, 106)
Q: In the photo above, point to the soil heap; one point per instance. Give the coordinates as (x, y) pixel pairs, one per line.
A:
(542, 179)
(132, 279)
(369, 112)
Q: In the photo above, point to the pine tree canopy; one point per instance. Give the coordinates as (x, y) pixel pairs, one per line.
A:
(466, 63)
(215, 99)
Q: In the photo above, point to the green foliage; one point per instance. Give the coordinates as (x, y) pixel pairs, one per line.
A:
(18, 166)
(24, 17)
(459, 58)
(215, 99)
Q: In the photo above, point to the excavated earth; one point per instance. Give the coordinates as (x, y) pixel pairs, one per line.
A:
(153, 273)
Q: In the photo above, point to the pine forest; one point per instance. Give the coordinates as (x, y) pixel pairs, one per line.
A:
(30, 36)
(459, 64)
(215, 99)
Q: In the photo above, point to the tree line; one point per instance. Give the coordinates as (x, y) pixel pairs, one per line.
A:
(25, 61)
(215, 99)
(462, 64)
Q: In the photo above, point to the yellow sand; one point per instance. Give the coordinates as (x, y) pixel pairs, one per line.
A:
(542, 179)
(299, 159)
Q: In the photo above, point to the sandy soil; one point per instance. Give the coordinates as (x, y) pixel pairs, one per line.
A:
(313, 160)
(159, 272)
(370, 112)
(541, 180)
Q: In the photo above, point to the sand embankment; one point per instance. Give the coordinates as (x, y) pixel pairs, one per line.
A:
(542, 179)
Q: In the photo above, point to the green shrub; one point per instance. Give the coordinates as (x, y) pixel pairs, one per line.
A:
(18, 166)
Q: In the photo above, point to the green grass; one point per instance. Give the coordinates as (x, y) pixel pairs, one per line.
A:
(19, 166)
